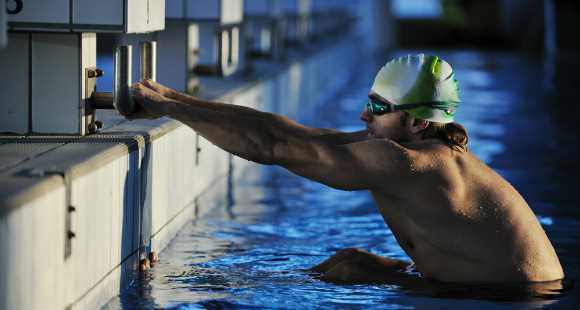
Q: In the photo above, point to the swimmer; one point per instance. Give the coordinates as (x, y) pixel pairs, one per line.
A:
(457, 219)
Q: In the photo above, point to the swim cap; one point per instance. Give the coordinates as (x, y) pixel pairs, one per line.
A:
(417, 79)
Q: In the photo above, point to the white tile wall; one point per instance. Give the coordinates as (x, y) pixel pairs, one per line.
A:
(103, 203)
(56, 83)
(31, 257)
(47, 265)
(44, 70)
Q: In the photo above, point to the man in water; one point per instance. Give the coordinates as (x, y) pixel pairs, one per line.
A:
(456, 218)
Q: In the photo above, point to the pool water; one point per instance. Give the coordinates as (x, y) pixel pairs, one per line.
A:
(250, 252)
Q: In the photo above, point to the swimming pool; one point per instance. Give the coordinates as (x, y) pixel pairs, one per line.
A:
(250, 251)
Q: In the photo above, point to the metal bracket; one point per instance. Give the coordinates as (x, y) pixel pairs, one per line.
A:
(88, 111)
(197, 149)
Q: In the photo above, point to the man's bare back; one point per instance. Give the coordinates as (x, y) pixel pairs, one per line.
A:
(462, 222)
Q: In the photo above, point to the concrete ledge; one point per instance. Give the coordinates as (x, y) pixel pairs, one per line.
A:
(132, 186)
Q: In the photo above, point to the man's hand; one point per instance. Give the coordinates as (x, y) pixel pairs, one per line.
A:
(150, 102)
(162, 90)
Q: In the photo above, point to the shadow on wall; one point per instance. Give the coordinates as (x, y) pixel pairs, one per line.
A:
(137, 212)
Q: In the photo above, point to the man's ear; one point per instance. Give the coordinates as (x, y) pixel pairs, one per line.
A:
(416, 125)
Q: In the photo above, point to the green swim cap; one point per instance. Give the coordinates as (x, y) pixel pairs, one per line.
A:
(416, 79)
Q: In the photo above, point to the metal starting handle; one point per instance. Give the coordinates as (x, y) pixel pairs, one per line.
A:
(121, 98)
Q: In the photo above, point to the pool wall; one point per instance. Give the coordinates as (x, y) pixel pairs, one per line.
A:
(78, 213)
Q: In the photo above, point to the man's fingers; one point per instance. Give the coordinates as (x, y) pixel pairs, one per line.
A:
(160, 89)
(154, 86)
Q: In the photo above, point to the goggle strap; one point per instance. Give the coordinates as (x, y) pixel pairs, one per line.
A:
(441, 105)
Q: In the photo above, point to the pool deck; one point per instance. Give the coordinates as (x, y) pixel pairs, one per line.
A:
(78, 213)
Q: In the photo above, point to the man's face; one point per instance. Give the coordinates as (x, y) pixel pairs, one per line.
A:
(388, 125)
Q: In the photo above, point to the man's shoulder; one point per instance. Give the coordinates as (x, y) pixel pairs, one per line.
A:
(435, 156)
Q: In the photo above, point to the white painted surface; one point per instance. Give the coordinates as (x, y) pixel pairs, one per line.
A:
(31, 256)
(102, 12)
(14, 85)
(137, 16)
(232, 11)
(145, 16)
(104, 202)
(48, 216)
(156, 14)
(42, 11)
(56, 85)
(175, 177)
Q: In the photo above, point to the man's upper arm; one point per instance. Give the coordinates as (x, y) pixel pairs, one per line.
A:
(362, 165)
(331, 136)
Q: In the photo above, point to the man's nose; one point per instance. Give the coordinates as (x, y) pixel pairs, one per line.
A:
(366, 116)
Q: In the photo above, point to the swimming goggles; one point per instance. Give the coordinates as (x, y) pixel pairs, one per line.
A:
(377, 107)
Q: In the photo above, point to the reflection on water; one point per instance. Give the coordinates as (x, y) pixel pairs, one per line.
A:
(278, 224)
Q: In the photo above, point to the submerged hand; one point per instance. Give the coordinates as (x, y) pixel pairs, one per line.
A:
(149, 103)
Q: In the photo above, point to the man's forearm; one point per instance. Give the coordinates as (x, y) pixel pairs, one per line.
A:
(243, 131)
(258, 136)
(332, 134)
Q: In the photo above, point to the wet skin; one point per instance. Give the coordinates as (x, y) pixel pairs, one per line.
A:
(456, 218)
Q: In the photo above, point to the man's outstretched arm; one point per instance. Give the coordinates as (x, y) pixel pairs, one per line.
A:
(273, 139)
(332, 136)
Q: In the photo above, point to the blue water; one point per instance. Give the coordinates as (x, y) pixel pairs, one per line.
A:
(250, 251)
